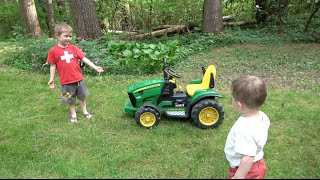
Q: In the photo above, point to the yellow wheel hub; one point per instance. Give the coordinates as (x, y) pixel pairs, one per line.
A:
(209, 116)
(147, 119)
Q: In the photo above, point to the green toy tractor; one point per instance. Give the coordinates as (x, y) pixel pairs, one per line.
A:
(150, 99)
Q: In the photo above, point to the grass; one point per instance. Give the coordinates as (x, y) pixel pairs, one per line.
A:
(37, 140)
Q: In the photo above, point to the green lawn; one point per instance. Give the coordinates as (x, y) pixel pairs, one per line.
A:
(38, 141)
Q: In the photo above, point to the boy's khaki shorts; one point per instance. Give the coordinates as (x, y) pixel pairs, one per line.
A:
(69, 92)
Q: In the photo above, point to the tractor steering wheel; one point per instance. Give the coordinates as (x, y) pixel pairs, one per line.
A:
(172, 73)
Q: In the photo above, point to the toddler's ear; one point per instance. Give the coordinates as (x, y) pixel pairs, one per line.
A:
(239, 104)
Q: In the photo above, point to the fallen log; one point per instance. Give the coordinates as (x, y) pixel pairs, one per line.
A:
(240, 23)
(157, 33)
(180, 28)
(227, 18)
(162, 27)
(122, 32)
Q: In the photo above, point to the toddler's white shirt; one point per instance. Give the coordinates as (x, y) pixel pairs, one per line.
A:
(247, 137)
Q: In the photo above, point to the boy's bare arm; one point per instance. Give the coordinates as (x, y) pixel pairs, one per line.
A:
(52, 74)
(244, 167)
(93, 66)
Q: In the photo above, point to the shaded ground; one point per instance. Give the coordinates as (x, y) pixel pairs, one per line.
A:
(280, 65)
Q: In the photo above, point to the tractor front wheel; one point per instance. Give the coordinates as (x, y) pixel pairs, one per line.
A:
(147, 117)
(207, 114)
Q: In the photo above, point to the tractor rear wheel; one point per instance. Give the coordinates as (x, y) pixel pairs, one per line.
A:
(207, 114)
(147, 117)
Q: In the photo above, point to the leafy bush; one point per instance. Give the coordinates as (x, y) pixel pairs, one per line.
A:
(116, 57)
(33, 56)
(141, 58)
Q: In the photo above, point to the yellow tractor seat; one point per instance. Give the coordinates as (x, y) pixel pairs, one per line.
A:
(206, 83)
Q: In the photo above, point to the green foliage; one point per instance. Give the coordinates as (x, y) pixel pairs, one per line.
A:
(120, 57)
(145, 57)
(117, 57)
(147, 13)
(9, 18)
(32, 55)
(17, 33)
(242, 10)
(131, 57)
(141, 58)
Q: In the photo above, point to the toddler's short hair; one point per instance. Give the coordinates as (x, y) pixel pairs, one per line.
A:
(62, 27)
(250, 90)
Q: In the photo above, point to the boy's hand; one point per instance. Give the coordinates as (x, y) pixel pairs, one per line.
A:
(51, 84)
(100, 70)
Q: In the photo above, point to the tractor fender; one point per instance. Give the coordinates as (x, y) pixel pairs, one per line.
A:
(204, 94)
(148, 104)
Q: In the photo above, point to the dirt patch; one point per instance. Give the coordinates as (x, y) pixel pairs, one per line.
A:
(3, 66)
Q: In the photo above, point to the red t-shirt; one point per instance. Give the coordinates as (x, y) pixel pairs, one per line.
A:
(66, 60)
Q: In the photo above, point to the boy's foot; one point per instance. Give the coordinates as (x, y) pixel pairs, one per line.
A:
(73, 120)
(87, 115)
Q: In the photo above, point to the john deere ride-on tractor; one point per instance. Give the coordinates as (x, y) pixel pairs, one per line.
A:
(151, 99)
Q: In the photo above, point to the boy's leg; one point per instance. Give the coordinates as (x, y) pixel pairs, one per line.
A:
(68, 96)
(73, 113)
(82, 93)
(83, 105)
(72, 108)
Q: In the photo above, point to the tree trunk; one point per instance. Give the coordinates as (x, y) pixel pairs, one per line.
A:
(126, 21)
(149, 19)
(85, 19)
(208, 16)
(112, 25)
(30, 18)
(311, 16)
(217, 16)
(50, 18)
(212, 17)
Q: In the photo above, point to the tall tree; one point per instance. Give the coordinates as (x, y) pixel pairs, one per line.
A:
(126, 21)
(30, 18)
(212, 17)
(85, 19)
(50, 18)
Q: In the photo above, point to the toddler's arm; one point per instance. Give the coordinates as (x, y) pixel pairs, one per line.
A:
(244, 167)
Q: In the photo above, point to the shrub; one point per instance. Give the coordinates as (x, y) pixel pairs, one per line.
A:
(118, 57)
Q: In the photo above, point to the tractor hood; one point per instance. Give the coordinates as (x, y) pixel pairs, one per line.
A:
(143, 85)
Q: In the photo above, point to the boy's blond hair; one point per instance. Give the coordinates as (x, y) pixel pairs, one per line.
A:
(250, 90)
(62, 27)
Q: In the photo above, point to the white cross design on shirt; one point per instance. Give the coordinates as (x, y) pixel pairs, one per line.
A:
(67, 56)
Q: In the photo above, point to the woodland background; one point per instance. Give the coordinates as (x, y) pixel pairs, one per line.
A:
(278, 40)
(134, 36)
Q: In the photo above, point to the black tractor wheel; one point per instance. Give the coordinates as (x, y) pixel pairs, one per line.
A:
(207, 114)
(147, 117)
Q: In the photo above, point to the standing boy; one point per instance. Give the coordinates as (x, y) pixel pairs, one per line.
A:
(248, 135)
(64, 57)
